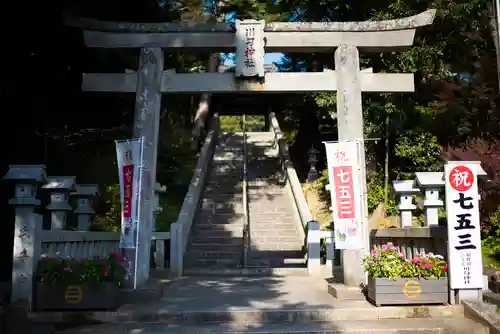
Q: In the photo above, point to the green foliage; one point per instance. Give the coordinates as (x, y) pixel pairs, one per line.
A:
(60, 270)
(109, 209)
(420, 152)
(375, 189)
(491, 242)
(320, 187)
(388, 262)
(235, 123)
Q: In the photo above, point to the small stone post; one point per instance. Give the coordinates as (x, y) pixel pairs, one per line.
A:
(405, 191)
(59, 188)
(430, 182)
(159, 245)
(27, 246)
(84, 210)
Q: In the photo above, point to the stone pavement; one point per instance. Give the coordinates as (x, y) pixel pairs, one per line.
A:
(271, 305)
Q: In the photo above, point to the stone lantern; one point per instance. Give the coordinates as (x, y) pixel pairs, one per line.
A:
(312, 175)
(430, 183)
(405, 191)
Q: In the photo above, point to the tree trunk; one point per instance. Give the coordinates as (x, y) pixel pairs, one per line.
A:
(203, 107)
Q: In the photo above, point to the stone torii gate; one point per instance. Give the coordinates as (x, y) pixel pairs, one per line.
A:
(250, 39)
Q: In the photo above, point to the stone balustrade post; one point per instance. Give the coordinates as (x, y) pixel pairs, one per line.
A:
(84, 211)
(157, 209)
(27, 245)
(313, 248)
(405, 191)
(59, 188)
(430, 182)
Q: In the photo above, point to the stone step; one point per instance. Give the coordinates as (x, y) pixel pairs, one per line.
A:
(279, 214)
(270, 232)
(228, 212)
(277, 263)
(217, 186)
(222, 240)
(206, 247)
(282, 205)
(221, 218)
(256, 224)
(216, 263)
(270, 239)
(235, 231)
(277, 247)
(390, 326)
(276, 254)
(221, 252)
(217, 197)
(226, 215)
(205, 222)
(276, 213)
(215, 228)
(250, 271)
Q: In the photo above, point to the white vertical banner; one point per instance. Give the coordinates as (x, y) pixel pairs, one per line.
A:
(465, 263)
(129, 158)
(346, 193)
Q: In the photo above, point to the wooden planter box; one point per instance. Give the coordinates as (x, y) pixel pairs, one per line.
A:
(91, 296)
(406, 291)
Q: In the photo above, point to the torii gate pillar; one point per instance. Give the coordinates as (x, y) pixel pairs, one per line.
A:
(350, 128)
(147, 125)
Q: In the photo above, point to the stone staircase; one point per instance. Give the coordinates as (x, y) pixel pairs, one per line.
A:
(216, 239)
(275, 241)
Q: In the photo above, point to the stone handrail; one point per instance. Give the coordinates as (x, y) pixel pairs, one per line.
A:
(181, 228)
(296, 188)
(309, 228)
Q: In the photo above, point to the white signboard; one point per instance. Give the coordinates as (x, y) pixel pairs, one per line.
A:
(465, 264)
(346, 195)
(249, 39)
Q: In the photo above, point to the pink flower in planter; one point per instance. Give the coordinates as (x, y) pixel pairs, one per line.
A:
(416, 259)
(428, 266)
(445, 267)
(422, 266)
